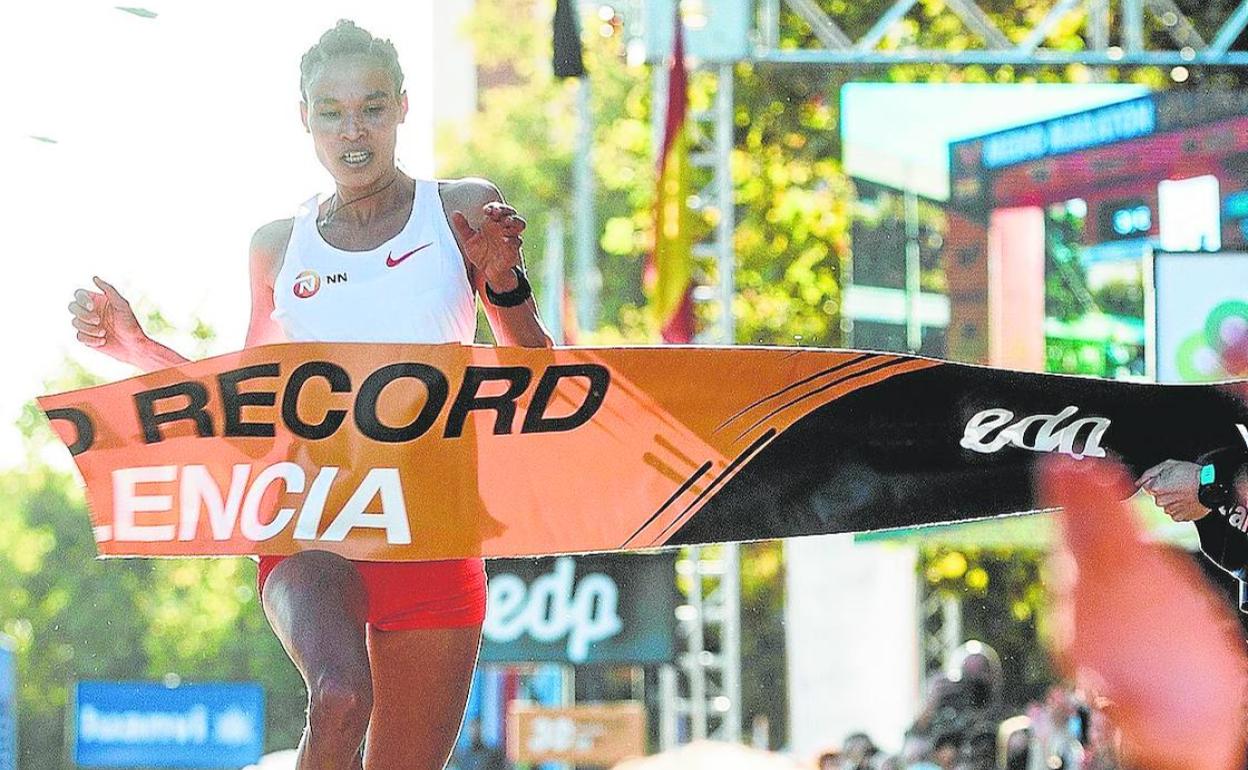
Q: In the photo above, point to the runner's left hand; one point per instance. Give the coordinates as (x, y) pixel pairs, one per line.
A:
(494, 250)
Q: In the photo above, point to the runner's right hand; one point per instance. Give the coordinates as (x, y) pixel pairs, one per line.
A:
(105, 321)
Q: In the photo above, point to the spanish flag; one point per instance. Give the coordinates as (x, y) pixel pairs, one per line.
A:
(669, 272)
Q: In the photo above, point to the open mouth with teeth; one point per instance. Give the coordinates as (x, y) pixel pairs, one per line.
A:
(356, 157)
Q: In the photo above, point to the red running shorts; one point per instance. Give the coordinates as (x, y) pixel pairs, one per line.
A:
(406, 595)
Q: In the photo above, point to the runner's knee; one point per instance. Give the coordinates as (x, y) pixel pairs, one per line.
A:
(340, 700)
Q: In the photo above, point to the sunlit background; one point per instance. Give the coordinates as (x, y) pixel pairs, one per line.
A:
(146, 145)
(148, 150)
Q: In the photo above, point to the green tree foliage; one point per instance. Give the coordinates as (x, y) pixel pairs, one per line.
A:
(793, 209)
(71, 616)
(524, 136)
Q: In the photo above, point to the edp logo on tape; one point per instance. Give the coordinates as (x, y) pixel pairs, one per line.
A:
(992, 429)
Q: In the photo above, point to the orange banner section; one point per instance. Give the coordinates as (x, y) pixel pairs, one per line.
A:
(409, 452)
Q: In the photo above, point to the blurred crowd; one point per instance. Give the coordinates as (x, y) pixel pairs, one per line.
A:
(964, 725)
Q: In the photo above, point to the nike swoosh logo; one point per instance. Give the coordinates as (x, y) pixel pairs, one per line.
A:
(392, 262)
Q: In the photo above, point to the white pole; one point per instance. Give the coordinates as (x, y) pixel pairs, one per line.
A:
(658, 109)
(553, 278)
(588, 279)
(769, 24)
(668, 707)
(914, 326)
(567, 681)
(695, 665)
(731, 586)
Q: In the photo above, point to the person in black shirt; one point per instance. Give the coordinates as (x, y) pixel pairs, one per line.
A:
(1212, 493)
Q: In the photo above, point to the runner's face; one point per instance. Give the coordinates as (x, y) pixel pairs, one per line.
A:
(353, 115)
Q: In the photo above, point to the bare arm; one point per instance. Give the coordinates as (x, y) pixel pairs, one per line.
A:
(268, 246)
(152, 355)
(104, 320)
(488, 232)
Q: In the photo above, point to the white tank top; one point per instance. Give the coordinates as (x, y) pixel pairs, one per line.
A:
(413, 288)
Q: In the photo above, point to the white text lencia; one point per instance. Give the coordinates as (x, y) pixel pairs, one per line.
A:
(237, 510)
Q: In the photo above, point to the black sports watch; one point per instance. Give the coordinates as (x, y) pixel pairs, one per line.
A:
(517, 296)
(1215, 490)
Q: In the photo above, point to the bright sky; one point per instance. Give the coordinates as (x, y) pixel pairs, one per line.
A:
(896, 133)
(175, 138)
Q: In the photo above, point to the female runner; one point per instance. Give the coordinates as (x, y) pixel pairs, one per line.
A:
(386, 649)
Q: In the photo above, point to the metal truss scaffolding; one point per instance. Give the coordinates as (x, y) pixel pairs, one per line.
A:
(1124, 20)
(940, 632)
(702, 692)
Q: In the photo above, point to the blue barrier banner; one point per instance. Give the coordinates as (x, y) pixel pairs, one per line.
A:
(8, 706)
(129, 724)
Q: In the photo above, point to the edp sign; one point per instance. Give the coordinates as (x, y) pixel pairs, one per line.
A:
(602, 608)
(146, 724)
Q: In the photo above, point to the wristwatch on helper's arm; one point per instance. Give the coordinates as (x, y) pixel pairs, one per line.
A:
(1217, 486)
(1224, 542)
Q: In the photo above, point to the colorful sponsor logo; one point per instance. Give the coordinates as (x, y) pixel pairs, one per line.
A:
(994, 429)
(1218, 350)
(307, 284)
(133, 724)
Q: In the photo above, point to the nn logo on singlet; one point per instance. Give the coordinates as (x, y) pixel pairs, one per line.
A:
(308, 282)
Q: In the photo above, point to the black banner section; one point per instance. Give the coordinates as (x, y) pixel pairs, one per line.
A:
(953, 443)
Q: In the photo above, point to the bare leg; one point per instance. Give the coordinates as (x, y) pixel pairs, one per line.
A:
(420, 684)
(316, 603)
